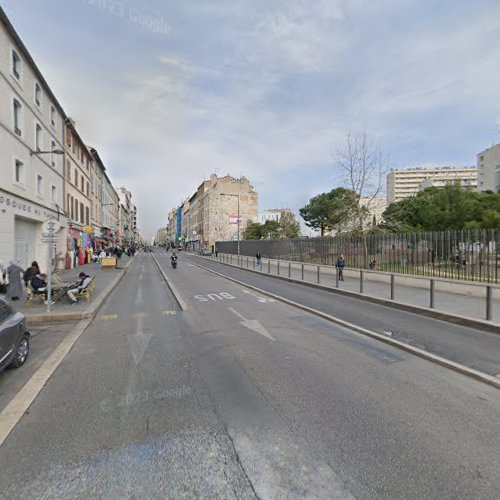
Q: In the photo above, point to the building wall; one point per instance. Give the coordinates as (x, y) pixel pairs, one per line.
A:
(488, 166)
(37, 194)
(404, 183)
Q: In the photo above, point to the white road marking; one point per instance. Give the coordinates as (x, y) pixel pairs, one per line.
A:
(253, 324)
(138, 343)
(259, 298)
(214, 297)
(138, 299)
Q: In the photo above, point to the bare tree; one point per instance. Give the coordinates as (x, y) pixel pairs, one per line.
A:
(362, 165)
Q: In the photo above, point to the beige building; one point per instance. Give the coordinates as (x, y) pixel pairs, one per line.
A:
(488, 168)
(408, 182)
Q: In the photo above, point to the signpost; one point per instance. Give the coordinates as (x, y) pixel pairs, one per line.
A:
(49, 235)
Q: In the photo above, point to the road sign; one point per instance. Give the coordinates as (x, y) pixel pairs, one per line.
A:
(51, 226)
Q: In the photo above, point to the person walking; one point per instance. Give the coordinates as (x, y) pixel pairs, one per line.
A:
(340, 267)
(258, 256)
(15, 287)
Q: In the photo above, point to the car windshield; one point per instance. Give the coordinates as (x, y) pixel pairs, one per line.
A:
(250, 249)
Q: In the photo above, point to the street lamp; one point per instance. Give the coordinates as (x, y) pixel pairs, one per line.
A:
(53, 151)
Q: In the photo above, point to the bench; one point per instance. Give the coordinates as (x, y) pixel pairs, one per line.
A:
(32, 296)
(88, 291)
(108, 263)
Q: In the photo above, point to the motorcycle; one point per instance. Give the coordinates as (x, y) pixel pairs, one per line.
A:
(173, 261)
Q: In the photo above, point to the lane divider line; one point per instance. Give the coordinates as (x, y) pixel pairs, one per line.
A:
(452, 365)
(174, 291)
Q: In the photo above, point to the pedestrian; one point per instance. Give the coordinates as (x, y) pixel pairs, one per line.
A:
(33, 270)
(15, 288)
(85, 279)
(258, 256)
(3, 274)
(102, 255)
(340, 267)
(39, 285)
(372, 265)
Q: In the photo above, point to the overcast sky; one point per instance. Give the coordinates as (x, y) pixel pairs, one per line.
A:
(172, 91)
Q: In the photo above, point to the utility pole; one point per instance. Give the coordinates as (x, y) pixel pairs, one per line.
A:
(239, 185)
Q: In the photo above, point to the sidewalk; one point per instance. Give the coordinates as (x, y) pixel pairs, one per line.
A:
(63, 310)
(471, 306)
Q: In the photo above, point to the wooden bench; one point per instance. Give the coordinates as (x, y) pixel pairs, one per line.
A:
(108, 263)
(88, 291)
(32, 296)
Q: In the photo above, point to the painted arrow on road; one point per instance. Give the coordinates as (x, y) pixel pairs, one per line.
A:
(258, 297)
(138, 344)
(253, 324)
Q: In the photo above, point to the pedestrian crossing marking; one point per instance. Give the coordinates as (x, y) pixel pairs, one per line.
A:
(139, 315)
(169, 313)
(109, 317)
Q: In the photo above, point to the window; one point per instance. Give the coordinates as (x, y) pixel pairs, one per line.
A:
(76, 210)
(82, 214)
(68, 170)
(52, 155)
(38, 94)
(82, 184)
(16, 64)
(38, 137)
(39, 185)
(76, 177)
(53, 116)
(53, 192)
(69, 207)
(19, 172)
(17, 117)
(87, 215)
(88, 188)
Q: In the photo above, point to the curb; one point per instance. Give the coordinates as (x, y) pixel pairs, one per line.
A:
(464, 370)
(479, 324)
(174, 291)
(89, 313)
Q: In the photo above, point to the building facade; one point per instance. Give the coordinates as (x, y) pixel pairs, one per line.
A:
(488, 168)
(404, 183)
(126, 216)
(31, 174)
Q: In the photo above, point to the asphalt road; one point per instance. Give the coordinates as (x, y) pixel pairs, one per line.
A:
(473, 348)
(243, 397)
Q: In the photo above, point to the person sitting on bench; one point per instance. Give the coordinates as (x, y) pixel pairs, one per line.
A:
(85, 279)
(39, 285)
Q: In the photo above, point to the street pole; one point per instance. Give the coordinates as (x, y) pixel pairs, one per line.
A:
(239, 182)
(49, 284)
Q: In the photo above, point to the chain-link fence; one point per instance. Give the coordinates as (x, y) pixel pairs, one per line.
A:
(466, 255)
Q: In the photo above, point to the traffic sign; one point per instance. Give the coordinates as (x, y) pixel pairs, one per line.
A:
(51, 226)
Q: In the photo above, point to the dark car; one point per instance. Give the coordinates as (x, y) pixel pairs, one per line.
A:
(14, 338)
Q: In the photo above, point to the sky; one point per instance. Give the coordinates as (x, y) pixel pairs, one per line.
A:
(171, 91)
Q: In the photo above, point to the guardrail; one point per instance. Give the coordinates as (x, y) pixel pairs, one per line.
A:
(360, 279)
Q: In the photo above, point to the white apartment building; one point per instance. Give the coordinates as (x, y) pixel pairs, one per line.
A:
(488, 168)
(125, 215)
(271, 214)
(31, 175)
(408, 182)
(110, 210)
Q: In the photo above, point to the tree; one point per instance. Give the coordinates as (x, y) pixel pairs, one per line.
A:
(289, 226)
(253, 231)
(328, 211)
(362, 166)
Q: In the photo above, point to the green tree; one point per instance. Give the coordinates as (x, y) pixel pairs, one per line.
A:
(253, 231)
(328, 211)
(289, 226)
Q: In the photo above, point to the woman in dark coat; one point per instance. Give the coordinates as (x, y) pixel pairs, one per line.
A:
(15, 288)
(33, 270)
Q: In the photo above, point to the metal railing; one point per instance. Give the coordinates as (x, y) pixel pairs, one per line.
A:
(471, 255)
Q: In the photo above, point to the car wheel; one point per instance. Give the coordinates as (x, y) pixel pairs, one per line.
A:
(22, 351)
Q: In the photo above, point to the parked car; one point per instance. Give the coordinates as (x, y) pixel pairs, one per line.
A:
(14, 338)
(205, 252)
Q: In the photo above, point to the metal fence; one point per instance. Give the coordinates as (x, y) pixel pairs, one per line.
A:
(465, 255)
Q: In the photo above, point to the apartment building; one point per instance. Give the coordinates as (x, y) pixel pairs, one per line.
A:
(125, 216)
(31, 154)
(77, 191)
(488, 168)
(408, 182)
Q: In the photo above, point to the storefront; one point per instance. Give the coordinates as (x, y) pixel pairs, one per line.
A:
(21, 231)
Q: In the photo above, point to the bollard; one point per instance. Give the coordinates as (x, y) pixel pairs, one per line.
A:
(336, 277)
(260, 265)
(489, 303)
(253, 264)
(269, 266)
(318, 274)
(302, 272)
(431, 294)
(361, 278)
(278, 267)
(247, 263)
(289, 269)
(393, 281)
